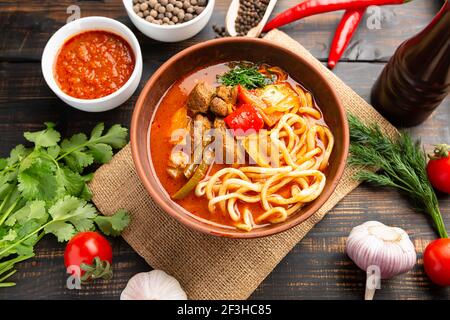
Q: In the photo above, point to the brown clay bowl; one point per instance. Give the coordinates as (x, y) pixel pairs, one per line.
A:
(233, 49)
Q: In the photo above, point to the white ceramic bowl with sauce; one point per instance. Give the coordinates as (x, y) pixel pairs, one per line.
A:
(58, 39)
(165, 33)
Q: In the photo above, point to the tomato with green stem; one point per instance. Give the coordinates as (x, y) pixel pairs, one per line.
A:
(92, 253)
(438, 168)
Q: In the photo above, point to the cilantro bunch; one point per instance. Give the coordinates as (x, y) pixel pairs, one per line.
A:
(44, 190)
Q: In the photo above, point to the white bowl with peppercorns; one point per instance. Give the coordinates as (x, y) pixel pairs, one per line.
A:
(169, 20)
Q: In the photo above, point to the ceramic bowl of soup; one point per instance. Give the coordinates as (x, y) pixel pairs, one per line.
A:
(239, 137)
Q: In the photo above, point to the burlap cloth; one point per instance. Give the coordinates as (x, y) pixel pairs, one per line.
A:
(209, 267)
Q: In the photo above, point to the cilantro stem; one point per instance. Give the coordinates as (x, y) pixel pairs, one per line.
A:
(7, 284)
(13, 245)
(9, 211)
(2, 206)
(7, 276)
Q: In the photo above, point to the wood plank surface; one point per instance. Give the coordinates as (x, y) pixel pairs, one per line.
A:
(317, 268)
(30, 26)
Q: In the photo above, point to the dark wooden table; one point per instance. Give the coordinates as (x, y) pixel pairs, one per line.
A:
(317, 268)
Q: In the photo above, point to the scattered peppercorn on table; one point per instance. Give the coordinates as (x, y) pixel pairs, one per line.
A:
(317, 268)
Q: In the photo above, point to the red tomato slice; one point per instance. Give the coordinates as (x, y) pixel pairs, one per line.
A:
(245, 118)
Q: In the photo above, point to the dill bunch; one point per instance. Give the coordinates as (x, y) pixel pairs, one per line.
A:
(402, 163)
(247, 76)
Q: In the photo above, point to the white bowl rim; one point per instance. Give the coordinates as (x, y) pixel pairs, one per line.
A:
(131, 38)
(168, 27)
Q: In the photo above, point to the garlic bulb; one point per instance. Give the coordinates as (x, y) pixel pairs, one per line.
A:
(375, 246)
(153, 285)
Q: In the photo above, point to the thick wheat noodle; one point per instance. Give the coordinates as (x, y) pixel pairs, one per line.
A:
(301, 161)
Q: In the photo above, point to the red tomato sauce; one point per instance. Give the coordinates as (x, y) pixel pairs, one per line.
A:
(94, 64)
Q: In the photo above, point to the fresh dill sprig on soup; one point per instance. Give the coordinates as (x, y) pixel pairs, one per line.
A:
(402, 163)
(247, 76)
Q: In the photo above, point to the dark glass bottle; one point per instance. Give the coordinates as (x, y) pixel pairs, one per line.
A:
(417, 77)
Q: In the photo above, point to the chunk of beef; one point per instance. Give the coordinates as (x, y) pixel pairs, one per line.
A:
(200, 97)
(219, 107)
(227, 94)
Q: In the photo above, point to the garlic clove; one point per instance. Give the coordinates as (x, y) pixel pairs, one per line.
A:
(153, 285)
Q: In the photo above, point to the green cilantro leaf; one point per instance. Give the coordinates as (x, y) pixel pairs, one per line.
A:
(38, 182)
(78, 160)
(10, 236)
(70, 181)
(53, 152)
(86, 193)
(17, 154)
(116, 137)
(33, 210)
(77, 211)
(113, 225)
(101, 152)
(62, 230)
(45, 138)
(97, 131)
(3, 163)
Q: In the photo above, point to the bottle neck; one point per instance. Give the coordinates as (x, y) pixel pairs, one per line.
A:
(426, 55)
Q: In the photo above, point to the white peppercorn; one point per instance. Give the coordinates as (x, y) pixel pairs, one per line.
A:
(152, 3)
(164, 2)
(175, 19)
(140, 14)
(154, 13)
(170, 7)
(144, 6)
(168, 15)
(136, 8)
(161, 9)
(188, 16)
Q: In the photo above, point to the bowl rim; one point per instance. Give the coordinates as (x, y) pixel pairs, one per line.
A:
(167, 27)
(130, 38)
(206, 228)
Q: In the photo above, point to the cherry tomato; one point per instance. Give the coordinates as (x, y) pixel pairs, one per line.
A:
(84, 247)
(438, 169)
(436, 260)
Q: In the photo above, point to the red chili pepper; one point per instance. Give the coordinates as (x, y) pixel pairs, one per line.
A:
(311, 7)
(344, 32)
(245, 118)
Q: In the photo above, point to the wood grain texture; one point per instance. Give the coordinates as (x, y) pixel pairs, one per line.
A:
(317, 268)
(30, 26)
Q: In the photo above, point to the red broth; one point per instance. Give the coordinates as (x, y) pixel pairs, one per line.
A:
(94, 64)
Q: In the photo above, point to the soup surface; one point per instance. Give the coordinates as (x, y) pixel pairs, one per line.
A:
(94, 64)
(263, 155)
